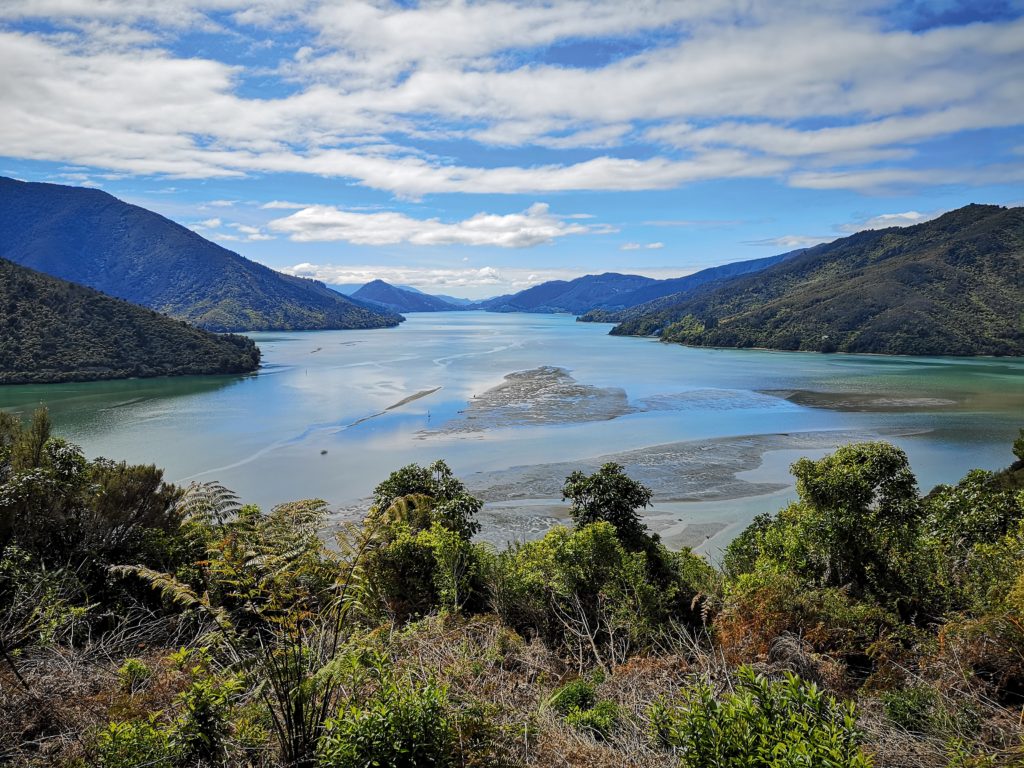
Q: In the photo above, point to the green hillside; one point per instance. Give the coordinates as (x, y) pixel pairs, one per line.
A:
(951, 286)
(58, 331)
(91, 238)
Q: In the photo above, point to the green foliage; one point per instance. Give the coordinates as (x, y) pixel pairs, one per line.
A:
(60, 331)
(776, 724)
(855, 525)
(585, 590)
(450, 504)
(133, 744)
(577, 694)
(404, 725)
(422, 558)
(911, 708)
(599, 721)
(133, 675)
(608, 495)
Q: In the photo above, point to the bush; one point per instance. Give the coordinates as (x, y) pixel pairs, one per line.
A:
(598, 720)
(403, 726)
(577, 695)
(912, 708)
(133, 675)
(141, 742)
(775, 724)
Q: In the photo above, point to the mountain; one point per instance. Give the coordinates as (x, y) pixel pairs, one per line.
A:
(58, 331)
(950, 286)
(575, 296)
(612, 310)
(396, 299)
(89, 237)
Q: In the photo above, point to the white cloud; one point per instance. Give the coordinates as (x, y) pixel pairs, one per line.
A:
(535, 226)
(822, 95)
(283, 205)
(792, 241)
(639, 246)
(213, 223)
(884, 220)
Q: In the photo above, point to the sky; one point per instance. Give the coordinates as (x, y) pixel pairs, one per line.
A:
(478, 148)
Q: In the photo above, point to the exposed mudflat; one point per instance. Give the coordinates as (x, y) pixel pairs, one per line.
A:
(862, 402)
(696, 470)
(544, 395)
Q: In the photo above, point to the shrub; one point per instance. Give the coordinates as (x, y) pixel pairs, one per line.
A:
(141, 742)
(598, 720)
(577, 695)
(912, 708)
(133, 675)
(403, 726)
(775, 724)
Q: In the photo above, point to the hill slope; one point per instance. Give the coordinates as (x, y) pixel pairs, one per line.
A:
(89, 237)
(58, 331)
(573, 296)
(951, 286)
(616, 309)
(397, 299)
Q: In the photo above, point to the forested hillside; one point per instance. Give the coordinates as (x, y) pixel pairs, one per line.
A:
(91, 238)
(573, 296)
(54, 331)
(951, 286)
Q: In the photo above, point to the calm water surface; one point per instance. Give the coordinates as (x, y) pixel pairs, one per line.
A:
(263, 435)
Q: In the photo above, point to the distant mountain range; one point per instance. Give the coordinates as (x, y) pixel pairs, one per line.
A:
(395, 299)
(573, 296)
(91, 238)
(950, 286)
(56, 331)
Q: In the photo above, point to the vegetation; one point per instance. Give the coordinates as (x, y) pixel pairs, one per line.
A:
(951, 286)
(864, 624)
(57, 331)
(90, 238)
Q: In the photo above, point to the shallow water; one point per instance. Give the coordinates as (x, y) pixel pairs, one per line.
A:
(263, 435)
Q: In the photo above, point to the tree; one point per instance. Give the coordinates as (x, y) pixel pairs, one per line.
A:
(609, 495)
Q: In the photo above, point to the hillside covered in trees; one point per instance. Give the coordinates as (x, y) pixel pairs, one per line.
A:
(58, 331)
(395, 299)
(863, 625)
(91, 238)
(950, 286)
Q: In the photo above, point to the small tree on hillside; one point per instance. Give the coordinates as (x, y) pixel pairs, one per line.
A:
(608, 495)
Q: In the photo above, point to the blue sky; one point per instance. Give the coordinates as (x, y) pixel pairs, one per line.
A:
(475, 148)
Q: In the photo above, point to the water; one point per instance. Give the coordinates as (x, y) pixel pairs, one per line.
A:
(264, 435)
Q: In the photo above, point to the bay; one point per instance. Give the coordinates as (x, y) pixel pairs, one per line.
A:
(331, 413)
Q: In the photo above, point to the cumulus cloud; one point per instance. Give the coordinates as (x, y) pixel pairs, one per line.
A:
(534, 226)
(824, 96)
(884, 220)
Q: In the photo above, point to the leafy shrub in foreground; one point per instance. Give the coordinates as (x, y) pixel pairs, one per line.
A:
(775, 724)
(403, 726)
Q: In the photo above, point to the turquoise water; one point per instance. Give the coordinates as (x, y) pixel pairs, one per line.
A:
(264, 434)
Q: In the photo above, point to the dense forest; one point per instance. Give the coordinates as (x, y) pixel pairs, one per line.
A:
(58, 331)
(92, 238)
(951, 286)
(147, 625)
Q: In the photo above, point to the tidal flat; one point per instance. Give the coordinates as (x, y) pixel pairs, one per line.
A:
(515, 402)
